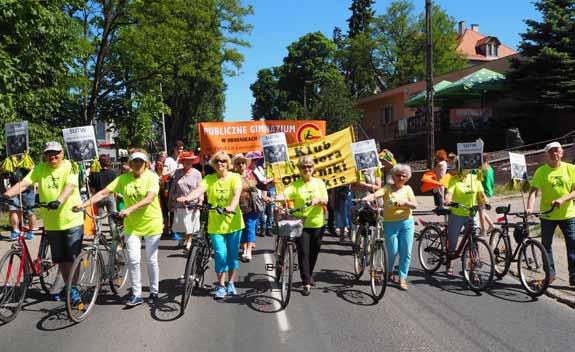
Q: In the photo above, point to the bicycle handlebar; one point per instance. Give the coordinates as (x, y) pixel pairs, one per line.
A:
(209, 207)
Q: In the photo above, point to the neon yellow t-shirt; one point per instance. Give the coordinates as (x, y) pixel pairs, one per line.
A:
(392, 212)
(220, 194)
(303, 192)
(464, 190)
(51, 183)
(555, 183)
(148, 220)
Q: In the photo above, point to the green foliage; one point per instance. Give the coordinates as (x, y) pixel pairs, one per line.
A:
(545, 74)
(361, 16)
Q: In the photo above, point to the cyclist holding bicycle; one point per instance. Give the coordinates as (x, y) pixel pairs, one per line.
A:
(223, 189)
(311, 192)
(466, 189)
(142, 218)
(556, 180)
(58, 188)
(398, 226)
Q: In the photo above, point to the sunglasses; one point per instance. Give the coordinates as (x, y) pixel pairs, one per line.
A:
(51, 154)
(306, 167)
(220, 161)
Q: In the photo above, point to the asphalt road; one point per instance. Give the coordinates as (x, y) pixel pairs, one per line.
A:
(435, 314)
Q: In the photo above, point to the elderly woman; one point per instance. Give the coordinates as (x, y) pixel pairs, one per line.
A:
(311, 193)
(224, 189)
(184, 181)
(466, 189)
(142, 220)
(398, 227)
(250, 214)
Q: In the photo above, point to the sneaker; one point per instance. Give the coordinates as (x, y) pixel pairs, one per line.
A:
(220, 292)
(248, 257)
(29, 235)
(58, 297)
(176, 237)
(231, 290)
(403, 284)
(75, 295)
(306, 291)
(14, 235)
(134, 301)
(152, 299)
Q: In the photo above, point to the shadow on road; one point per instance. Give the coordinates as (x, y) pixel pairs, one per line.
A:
(456, 285)
(343, 284)
(510, 292)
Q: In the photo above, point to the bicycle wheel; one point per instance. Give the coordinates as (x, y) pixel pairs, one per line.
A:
(118, 269)
(430, 249)
(189, 276)
(286, 275)
(378, 270)
(533, 267)
(83, 285)
(501, 246)
(14, 280)
(358, 252)
(477, 262)
(48, 269)
(277, 254)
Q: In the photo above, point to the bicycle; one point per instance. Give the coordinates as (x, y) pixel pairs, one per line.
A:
(532, 260)
(17, 269)
(476, 254)
(369, 248)
(89, 270)
(200, 253)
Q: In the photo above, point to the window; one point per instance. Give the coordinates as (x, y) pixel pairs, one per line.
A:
(386, 115)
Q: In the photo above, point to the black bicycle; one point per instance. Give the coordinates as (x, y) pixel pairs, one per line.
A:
(200, 253)
(531, 257)
(476, 254)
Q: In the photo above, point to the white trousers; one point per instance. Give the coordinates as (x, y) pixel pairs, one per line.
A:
(133, 246)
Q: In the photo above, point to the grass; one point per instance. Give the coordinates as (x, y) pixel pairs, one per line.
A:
(503, 190)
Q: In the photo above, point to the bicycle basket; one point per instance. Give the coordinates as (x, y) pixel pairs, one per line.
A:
(291, 228)
(367, 216)
(520, 233)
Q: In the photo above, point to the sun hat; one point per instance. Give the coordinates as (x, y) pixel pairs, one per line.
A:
(552, 145)
(255, 155)
(53, 146)
(239, 157)
(189, 155)
(138, 155)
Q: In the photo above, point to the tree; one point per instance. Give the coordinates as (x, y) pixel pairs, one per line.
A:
(336, 105)
(361, 16)
(268, 97)
(544, 76)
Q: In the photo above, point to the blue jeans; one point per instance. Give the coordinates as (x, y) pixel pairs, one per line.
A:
(399, 240)
(266, 217)
(454, 225)
(249, 232)
(65, 245)
(29, 200)
(226, 248)
(548, 231)
(343, 212)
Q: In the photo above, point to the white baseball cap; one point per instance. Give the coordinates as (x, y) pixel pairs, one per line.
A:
(552, 145)
(53, 146)
(138, 155)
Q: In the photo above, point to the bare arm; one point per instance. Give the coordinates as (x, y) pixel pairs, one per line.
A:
(235, 199)
(531, 199)
(66, 192)
(566, 198)
(195, 194)
(17, 188)
(147, 200)
(96, 198)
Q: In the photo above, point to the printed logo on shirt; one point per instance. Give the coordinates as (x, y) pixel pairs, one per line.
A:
(557, 181)
(53, 182)
(135, 192)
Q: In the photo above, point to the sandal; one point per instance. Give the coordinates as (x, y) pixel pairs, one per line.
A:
(449, 271)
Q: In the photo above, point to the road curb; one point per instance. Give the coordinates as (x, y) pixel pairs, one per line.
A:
(551, 292)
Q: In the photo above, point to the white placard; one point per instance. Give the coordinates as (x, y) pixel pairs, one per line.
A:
(81, 143)
(275, 148)
(16, 134)
(470, 155)
(365, 154)
(518, 166)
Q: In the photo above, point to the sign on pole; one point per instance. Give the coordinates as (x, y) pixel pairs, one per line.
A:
(81, 143)
(275, 148)
(16, 134)
(365, 154)
(518, 166)
(470, 155)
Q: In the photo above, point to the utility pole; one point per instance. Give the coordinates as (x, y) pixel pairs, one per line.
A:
(429, 81)
(163, 123)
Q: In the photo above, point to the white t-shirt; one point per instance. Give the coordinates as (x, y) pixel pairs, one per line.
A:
(171, 165)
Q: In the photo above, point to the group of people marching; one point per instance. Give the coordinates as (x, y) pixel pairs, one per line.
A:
(151, 191)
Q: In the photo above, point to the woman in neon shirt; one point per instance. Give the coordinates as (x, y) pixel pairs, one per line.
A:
(224, 189)
(309, 192)
(398, 227)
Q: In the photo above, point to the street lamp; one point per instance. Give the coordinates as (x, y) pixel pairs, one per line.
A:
(429, 81)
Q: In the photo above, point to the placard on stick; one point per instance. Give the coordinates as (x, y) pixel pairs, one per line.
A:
(81, 143)
(16, 134)
(518, 166)
(275, 148)
(365, 154)
(470, 155)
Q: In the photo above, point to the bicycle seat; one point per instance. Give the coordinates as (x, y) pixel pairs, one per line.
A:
(442, 211)
(503, 209)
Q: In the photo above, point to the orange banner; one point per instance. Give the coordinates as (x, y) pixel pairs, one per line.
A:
(244, 136)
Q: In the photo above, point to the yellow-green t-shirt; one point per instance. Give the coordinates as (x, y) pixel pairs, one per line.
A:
(220, 194)
(51, 183)
(464, 190)
(148, 220)
(303, 192)
(555, 183)
(391, 212)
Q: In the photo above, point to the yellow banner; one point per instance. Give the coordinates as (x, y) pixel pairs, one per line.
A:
(332, 157)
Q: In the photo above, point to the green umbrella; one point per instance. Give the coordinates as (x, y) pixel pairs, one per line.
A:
(474, 85)
(420, 98)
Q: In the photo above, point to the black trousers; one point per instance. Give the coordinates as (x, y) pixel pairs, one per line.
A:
(308, 246)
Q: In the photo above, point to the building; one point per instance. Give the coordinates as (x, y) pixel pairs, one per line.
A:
(479, 48)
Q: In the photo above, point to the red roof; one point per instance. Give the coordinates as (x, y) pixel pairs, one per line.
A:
(468, 42)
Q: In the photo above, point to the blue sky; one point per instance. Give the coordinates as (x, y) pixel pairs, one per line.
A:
(278, 23)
